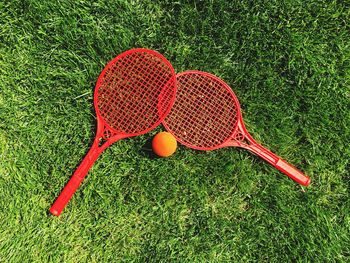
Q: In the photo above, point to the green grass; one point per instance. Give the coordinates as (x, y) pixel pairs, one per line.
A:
(289, 64)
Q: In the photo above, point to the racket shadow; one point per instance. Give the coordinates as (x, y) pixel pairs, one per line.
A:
(146, 150)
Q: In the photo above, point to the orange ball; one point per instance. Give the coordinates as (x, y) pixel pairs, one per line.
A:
(164, 144)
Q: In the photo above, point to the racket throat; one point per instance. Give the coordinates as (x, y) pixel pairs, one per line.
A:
(241, 138)
(105, 137)
(246, 141)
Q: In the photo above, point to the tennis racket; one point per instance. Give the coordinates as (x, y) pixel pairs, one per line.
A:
(133, 94)
(207, 116)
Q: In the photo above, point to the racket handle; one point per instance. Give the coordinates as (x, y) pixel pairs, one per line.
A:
(292, 172)
(75, 181)
(280, 164)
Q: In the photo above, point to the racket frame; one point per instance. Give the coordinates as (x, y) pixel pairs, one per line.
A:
(107, 135)
(240, 137)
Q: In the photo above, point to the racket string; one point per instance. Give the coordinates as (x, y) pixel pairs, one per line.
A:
(130, 91)
(204, 114)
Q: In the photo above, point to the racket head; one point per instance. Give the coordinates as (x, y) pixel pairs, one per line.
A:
(206, 113)
(134, 92)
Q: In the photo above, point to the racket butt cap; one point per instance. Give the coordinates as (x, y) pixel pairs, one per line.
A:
(292, 172)
(307, 182)
(54, 212)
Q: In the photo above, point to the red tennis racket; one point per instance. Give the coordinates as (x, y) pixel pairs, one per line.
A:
(207, 116)
(133, 94)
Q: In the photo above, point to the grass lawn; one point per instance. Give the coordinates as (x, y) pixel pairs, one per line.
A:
(287, 61)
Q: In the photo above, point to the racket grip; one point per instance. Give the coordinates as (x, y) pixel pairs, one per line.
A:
(280, 164)
(292, 172)
(74, 183)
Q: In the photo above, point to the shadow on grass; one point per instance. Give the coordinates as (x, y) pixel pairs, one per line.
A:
(147, 151)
